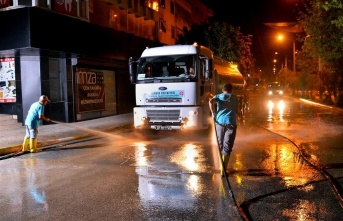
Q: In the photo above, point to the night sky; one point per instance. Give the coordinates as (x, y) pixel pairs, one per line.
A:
(251, 15)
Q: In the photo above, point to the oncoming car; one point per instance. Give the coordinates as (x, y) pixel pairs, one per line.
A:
(274, 89)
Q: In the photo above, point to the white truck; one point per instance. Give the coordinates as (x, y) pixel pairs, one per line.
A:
(168, 97)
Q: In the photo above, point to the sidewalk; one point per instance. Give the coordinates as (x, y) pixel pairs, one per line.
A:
(12, 132)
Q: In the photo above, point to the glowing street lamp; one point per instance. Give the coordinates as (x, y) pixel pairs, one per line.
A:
(291, 27)
(280, 37)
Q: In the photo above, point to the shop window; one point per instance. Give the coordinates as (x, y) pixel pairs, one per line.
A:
(77, 8)
(5, 3)
(7, 81)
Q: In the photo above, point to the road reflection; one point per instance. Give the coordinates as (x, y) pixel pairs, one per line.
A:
(34, 199)
(174, 183)
(187, 158)
(276, 108)
(38, 200)
(284, 160)
(301, 210)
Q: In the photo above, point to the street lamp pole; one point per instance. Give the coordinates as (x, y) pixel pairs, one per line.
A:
(291, 27)
(280, 38)
(294, 56)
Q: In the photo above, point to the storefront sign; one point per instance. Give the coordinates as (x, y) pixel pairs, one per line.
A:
(7, 80)
(65, 7)
(90, 90)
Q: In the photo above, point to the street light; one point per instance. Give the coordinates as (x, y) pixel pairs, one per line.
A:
(292, 27)
(280, 37)
(294, 56)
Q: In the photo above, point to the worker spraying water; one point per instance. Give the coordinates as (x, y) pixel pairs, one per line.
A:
(33, 119)
(224, 115)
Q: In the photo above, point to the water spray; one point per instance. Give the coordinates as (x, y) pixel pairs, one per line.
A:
(91, 131)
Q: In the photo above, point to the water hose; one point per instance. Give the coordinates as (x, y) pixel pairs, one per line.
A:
(241, 212)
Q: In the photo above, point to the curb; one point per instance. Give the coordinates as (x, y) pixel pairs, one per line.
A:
(105, 124)
(41, 145)
(10, 150)
(17, 148)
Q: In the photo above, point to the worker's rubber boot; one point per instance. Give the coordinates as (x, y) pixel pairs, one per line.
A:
(225, 163)
(33, 146)
(26, 143)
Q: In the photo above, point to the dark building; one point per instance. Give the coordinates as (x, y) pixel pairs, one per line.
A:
(76, 52)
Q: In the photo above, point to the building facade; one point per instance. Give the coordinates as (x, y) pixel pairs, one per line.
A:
(77, 51)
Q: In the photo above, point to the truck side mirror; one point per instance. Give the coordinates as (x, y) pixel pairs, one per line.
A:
(132, 69)
(208, 68)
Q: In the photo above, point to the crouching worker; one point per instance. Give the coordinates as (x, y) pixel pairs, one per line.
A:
(225, 122)
(33, 120)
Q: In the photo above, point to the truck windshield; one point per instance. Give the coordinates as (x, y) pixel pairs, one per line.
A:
(167, 67)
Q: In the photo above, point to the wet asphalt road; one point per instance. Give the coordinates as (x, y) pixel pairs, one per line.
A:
(285, 166)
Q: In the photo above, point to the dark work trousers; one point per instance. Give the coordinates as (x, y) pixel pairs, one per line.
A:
(226, 137)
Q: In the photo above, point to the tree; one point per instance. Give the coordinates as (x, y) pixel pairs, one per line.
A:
(308, 70)
(247, 61)
(323, 24)
(287, 77)
(195, 34)
(226, 41)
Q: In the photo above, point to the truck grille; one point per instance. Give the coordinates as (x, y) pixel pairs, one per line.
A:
(163, 115)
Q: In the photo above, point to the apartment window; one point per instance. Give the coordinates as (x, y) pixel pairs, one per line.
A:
(83, 9)
(163, 26)
(172, 7)
(63, 7)
(153, 4)
(113, 16)
(163, 3)
(173, 32)
(91, 6)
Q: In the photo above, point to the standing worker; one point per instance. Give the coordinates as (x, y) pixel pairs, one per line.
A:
(33, 120)
(225, 122)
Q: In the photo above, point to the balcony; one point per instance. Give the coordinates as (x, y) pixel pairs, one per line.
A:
(127, 4)
(143, 11)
